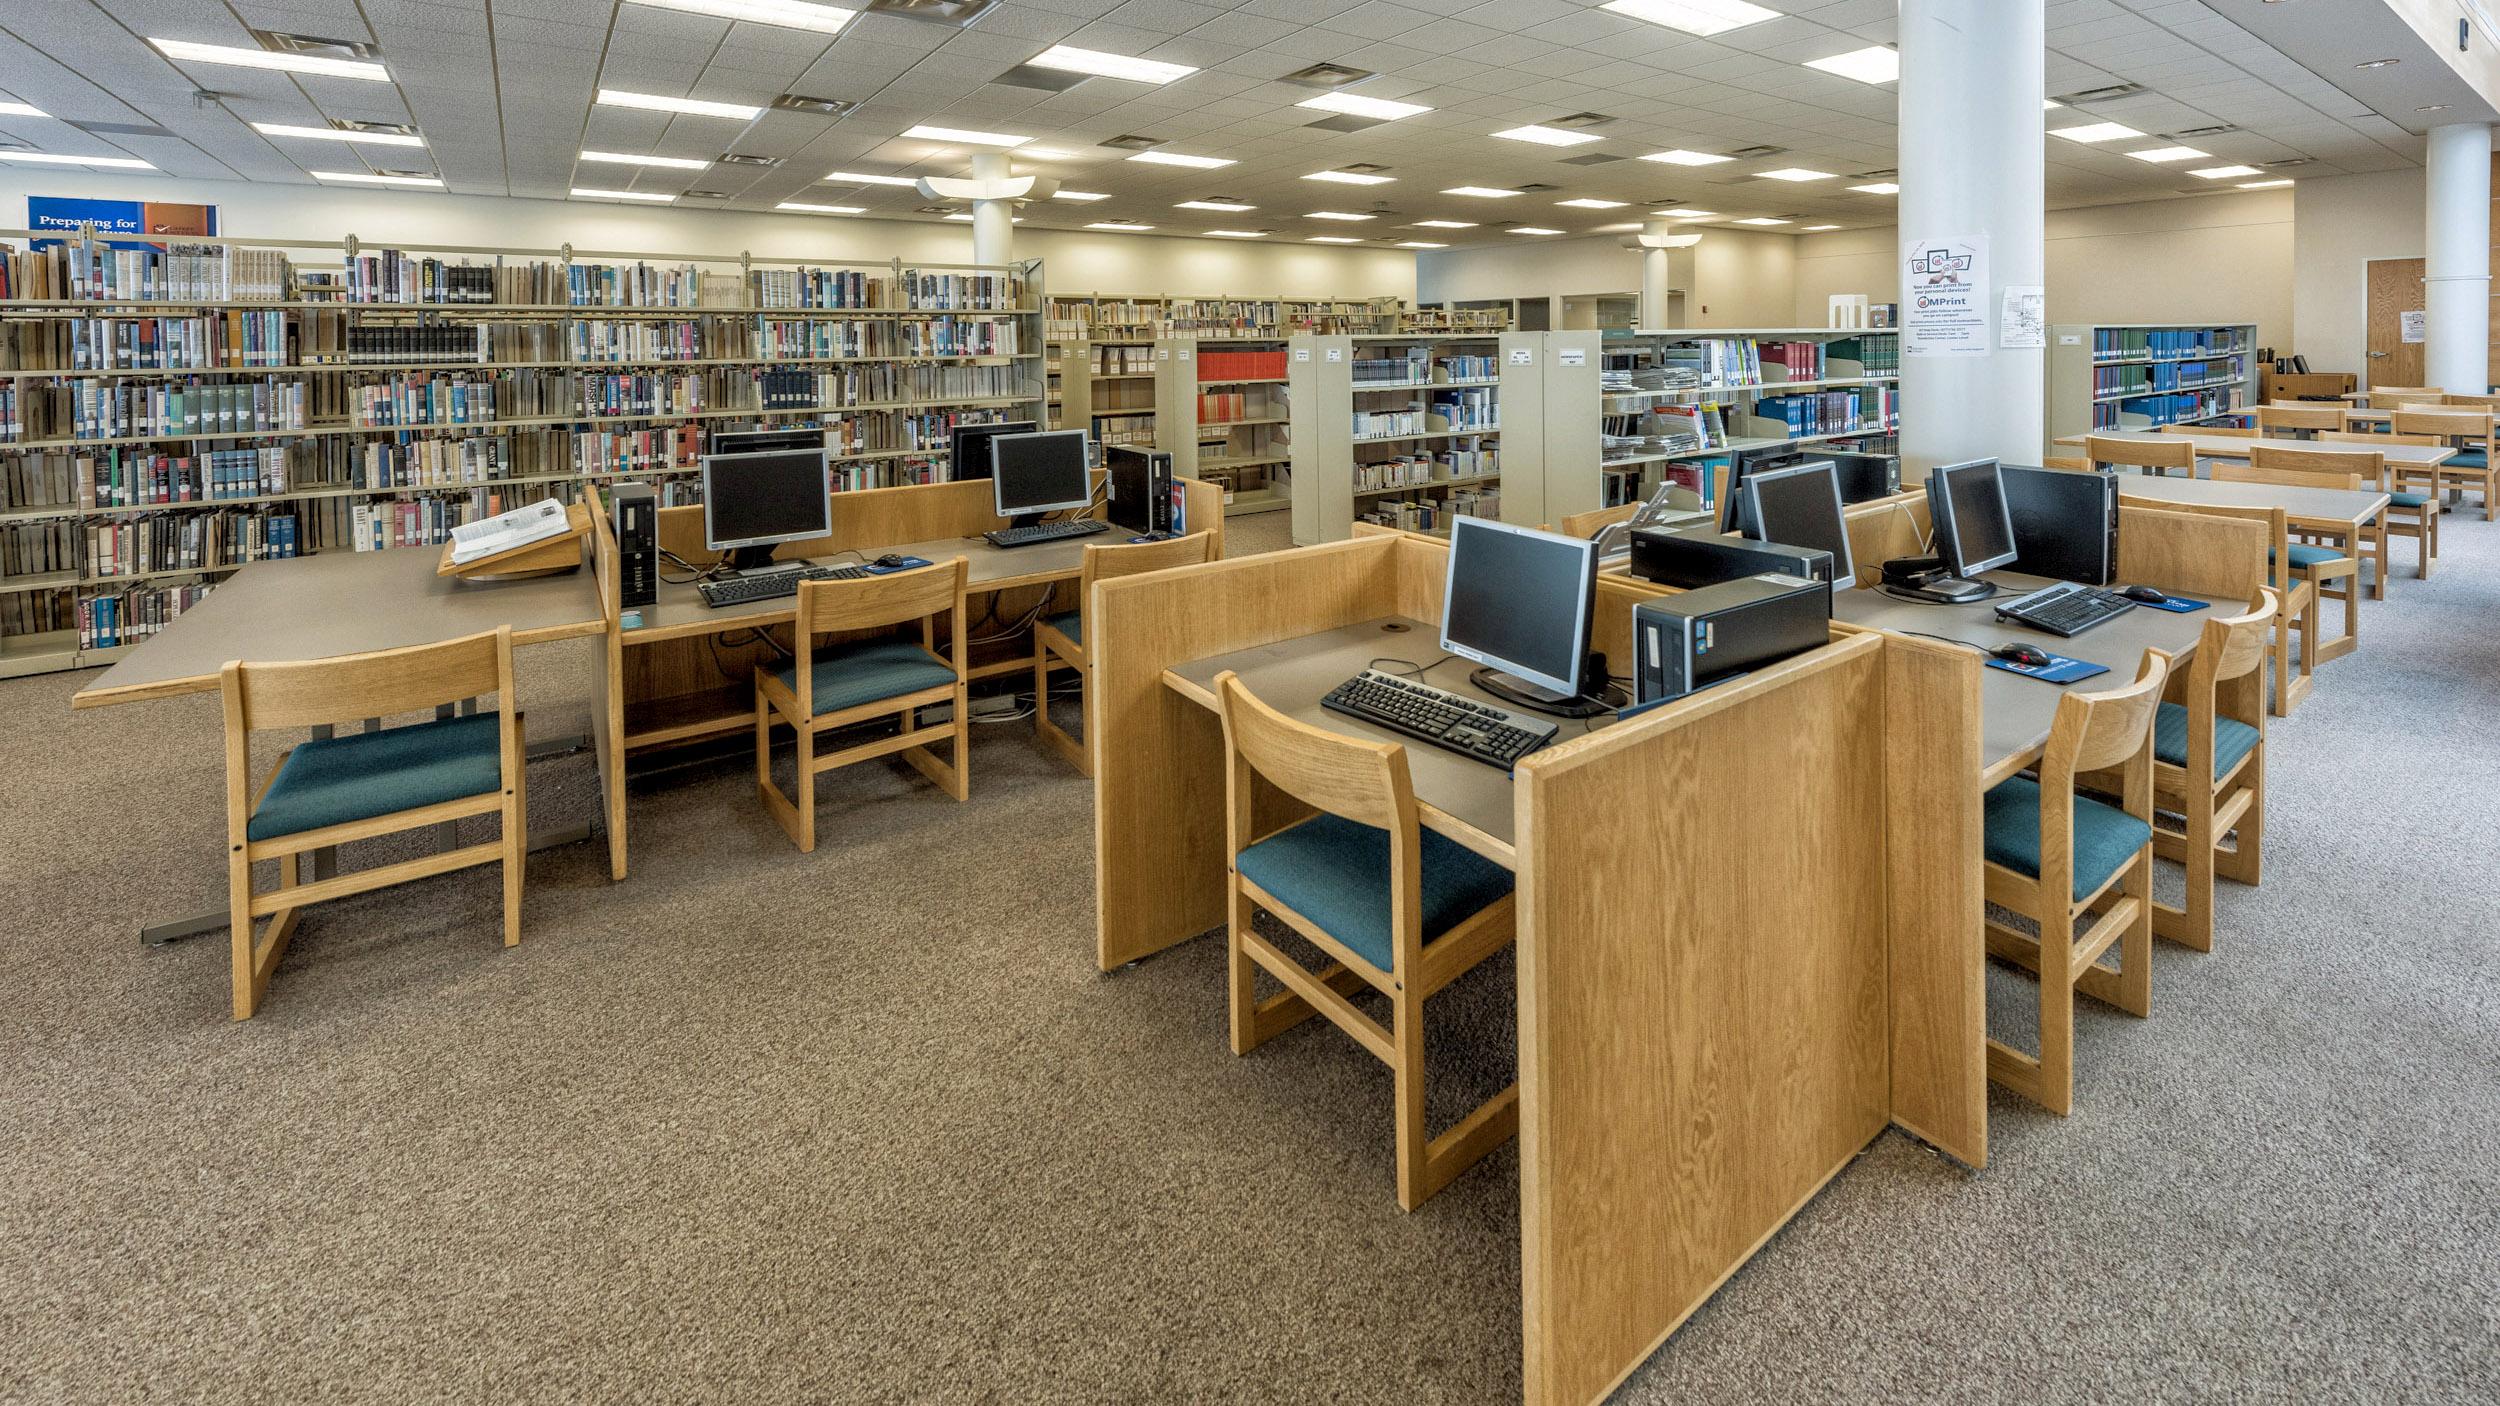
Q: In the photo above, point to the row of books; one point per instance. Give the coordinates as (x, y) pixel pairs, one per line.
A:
(1124, 361)
(779, 339)
(38, 548)
(1833, 411)
(1465, 409)
(127, 409)
(1373, 424)
(854, 288)
(1663, 429)
(237, 338)
(112, 619)
(2164, 343)
(93, 270)
(1241, 316)
(1390, 370)
(2145, 412)
(1435, 514)
(190, 541)
(1231, 365)
(1228, 407)
(1875, 356)
(1463, 461)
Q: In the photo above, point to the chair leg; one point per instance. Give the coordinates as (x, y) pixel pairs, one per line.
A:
(2135, 945)
(239, 900)
(2192, 926)
(2244, 862)
(962, 787)
(516, 847)
(807, 788)
(1242, 981)
(1414, 1146)
(2057, 1007)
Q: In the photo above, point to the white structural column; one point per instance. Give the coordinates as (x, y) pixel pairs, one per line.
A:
(1656, 281)
(1972, 80)
(2456, 274)
(993, 221)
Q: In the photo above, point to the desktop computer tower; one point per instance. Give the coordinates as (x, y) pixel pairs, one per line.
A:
(1687, 642)
(637, 545)
(1865, 477)
(1140, 488)
(1688, 560)
(2065, 523)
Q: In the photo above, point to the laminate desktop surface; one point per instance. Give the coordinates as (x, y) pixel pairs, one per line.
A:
(681, 610)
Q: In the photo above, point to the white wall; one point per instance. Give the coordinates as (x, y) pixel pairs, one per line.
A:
(1073, 261)
(2224, 257)
(2343, 223)
(1733, 278)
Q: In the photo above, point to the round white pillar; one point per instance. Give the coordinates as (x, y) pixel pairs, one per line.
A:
(1972, 81)
(2456, 272)
(993, 221)
(1655, 281)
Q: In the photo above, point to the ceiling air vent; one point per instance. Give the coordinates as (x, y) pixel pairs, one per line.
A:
(1327, 75)
(1578, 120)
(1345, 122)
(2111, 93)
(421, 175)
(707, 195)
(735, 159)
(381, 129)
(1364, 168)
(1883, 175)
(1594, 158)
(954, 14)
(2215, 130)
(2288, 161)
(822, 107)
(315, 46)
(1750, 153)
(1534, 187)
(1134, 143)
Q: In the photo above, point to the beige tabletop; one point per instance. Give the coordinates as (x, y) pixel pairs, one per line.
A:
(2015, 712)
(2344, 509)
(341, 602)
(681, 611)
(1465, 799)
(2225, 446)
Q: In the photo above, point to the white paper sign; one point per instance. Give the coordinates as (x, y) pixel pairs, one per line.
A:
(1184, 353)
(1572, 356)
(1301, 353)
(1163, 353)
(2024, 320)
(1522, 356)
(1336, 353)
(2413, 326)
(1944, 296)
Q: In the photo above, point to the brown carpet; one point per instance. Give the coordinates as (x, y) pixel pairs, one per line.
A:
(868, 1126)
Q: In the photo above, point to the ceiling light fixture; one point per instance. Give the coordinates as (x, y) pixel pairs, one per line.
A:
(1356, 105)
(1547, 136)
(2276, 184)
(2095, 132)
(787, 14)
(1420, 244)
(1229, 207)
(332, 134)
(121, 163)
(1532, 229)
(928, 133)
(1237, 234)
(648, 197)
(1445, 224)
(1876, 64)
(627, 158)
(1585, 203)
(263, 58)
(1080, 195)
(1174, 158)
(818, 209)
(2220, 173)
(961, 218)
(1680, 213)
(1332, 239)
(1681, 157)
(1121, 226)
(1043, 153)
(1702, 17)
(1068, 59)
(862, 178)
(1349, 178)
(2161, 155)
(1762, 220)
(1481, 192)
(370, 178)
(1879, 188)
(1794, 173)
(1337, 215)
(2377, 63)
(11, 109)
(1817, 229)
(691, 107)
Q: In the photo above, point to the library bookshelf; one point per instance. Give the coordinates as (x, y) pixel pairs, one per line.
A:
(2142, 375)
(1223, 411)
(1402, 428)
(169, 413)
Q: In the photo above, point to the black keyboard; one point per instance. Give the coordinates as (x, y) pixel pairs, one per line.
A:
(2066, 609)
(772, 585)
(1447, 720)
(1046, 532)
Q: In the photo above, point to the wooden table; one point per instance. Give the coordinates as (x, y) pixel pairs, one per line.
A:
(2351, 514)
(2416, 457)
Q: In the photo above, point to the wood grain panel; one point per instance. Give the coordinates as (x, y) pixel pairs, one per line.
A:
(2197, 554)
(1934, 895)
(2395, 286)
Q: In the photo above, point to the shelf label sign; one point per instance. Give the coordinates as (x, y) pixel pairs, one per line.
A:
(1944, 296)
(1523, 356)
(122, 218)
(1572, 356)
(1336, 353)
(1301, 353)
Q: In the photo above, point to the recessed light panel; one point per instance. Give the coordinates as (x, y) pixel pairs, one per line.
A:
(1088, 195)
(2219, 173)
(1120, 226)
(1547, 136)
(1445, 224)
(1174, 158)
(262, 58)
(1332, 239)
(862, 178)
(1876, 64)
(1682, 213)
(46, 158)
(13, 109)
(1349, 178)
(1337, 215)
(1229, 207)
(2095, 132)
(1585, 203)
(1420, 244)
(1878, 188)
(2276, 184)
(1681, 157)
(1481, 192)
(369, 178)
(1817, 229)
(691, 107)
(1533, 229)
(1356, 105)
(1703, 17)
(326, 134)
(785, 14)
(817, 209)
(2163, 155)
(1237, 234)
(964, 135)
(1762, 220)
(1794, 173)
(627, 158)
(651, 197)
(1098, 64)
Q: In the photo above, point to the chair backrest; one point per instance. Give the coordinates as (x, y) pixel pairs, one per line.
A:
(1138, 558)
(2382, 395)
(2444, 423)
(318, 692)
(2314, 468)
(2381, 437)
(2274, 418)
(2073, 466)
(2140, 453)
(2100, 731)
(2485, 402)
(2197, 553)
(1582, 524)
(2275, 521)
(2225, 431)
(894, 598)
(2233, 645)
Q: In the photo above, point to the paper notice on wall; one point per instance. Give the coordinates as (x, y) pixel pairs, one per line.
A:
(1944, 296)
(2413, 326)
(2024, 320)
(1572, 356)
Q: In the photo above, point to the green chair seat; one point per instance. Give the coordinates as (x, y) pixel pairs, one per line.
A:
(2233, 739)
(2402, 499)
(2305, 556)
(2105, 836)
(1335, 872)
(2468, 459)
(847, 676)
(336, 780)
(1070, 623)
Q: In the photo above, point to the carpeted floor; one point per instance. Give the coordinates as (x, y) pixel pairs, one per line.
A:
(868, 1126)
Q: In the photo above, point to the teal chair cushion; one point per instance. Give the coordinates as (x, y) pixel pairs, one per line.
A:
(2233, 739)
(1335, 872)
(2468, 458)
(2105, 836)
(848, 675)
(2305, 556)
(2402, 499)
(1070, 623)
(332, 781)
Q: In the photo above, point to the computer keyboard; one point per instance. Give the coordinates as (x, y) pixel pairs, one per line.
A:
(772, 585)
(1488, 734)
(2066, 609)
(1046, 532)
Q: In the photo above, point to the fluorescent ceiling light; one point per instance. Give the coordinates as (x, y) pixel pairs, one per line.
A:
(1547, 136)
(2217, 173)
(1532, 229)
(1332, 239)
(822, 209)
(2274, 184)
(2050, 104)
(1229, 207)
(1584, 203)
(369, 178)
(1337, 215)
(627, 158)
(2161, 155)
(1625, 227)
(1174, 158)
(1871, 65)
(1237, 233)
(1817, 229)
(1480, 192)
(692, 107)
(9, 109)
(970, 138)
(124, 163)
(1043, 153)
(1420, 244)
(262, 58)
(2095, 132)
(1762, 220)
(1356, 105)
(1122, 226)
(1681, 157)
(862, 178)
(1681, 213)
(1879, 188)
(330, 134)
(1349, 178)
(1445, 224)
(787, 14)
(1069, 59)
(1080, 195)
(962, 219)
(1703, 17)
(1794, 173)
(648, 196)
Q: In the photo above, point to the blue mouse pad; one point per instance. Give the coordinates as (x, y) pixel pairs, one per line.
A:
(909, 564)
(2176, 605)
(2059, 669)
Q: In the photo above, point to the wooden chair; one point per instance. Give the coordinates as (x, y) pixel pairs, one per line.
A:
(2225, 431)
(2213, 728)
(1397, 908)
(860, 680)
(2151, 456)
(2076, 466)
(2472, 431)
(2082, 870)
(2334, 466)
(332, 790)
(2292, 420)
(1063, 635)
(2381, 397)
(2411, 512)
(2334, 571)
(1581, 525)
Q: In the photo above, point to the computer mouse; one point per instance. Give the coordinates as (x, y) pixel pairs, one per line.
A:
(2145, 594)
(2022, 654)
(890, 559)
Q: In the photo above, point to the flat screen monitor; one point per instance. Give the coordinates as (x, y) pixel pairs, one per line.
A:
(1139, 486)
(1974, 532)
(968, 446)
(1800, 507)
(752, 501)
(1039, 473)
(758, 441)
(1519, 600)
(1733, 505)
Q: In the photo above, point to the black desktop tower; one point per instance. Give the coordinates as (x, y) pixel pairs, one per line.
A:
(2065, 523)
(1865, 477)
(637, 545)
(1141, 488)
(1694, 640)
(1689, 560)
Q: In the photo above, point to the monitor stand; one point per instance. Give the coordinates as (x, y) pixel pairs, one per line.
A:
(1956, 590)
(753, 561)
(1536, 698)
(1025, 519)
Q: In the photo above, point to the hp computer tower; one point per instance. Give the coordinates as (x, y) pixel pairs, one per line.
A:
(1688, 560)
(1865, 477)
(1687, 642)
(1141, 488)
(2065, 523)
(637, 545)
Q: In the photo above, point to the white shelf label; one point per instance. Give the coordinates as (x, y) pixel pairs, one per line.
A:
(1523, 356)
(1572, 356)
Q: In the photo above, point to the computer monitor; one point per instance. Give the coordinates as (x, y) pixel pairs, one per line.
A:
(758, 441)
(1800, 507)
(1039, 473)
(1139, 486)
(1974, 532)
(968, 446)
(1519, 601)
(1733, 508)
(752, 501)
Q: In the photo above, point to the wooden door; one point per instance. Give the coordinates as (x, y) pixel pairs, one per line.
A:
(2395, 289)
